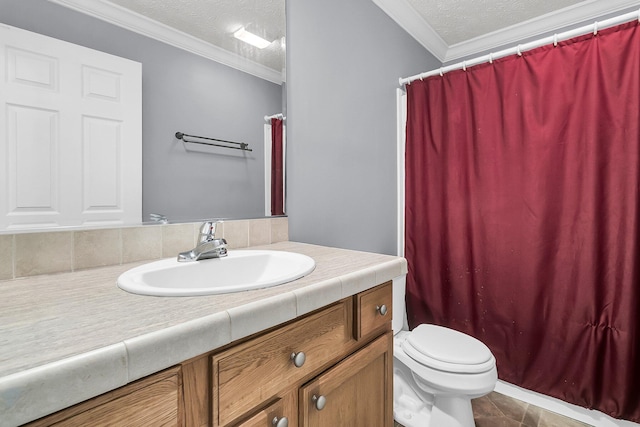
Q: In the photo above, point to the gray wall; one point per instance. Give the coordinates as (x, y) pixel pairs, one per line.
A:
(344, 58)
(181, 92)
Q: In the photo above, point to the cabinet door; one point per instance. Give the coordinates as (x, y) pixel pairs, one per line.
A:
(356, 392)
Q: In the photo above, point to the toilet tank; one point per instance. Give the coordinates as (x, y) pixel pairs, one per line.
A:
(399, 321)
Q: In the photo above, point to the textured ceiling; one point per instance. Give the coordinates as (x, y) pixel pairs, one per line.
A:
(458, 23)
(214, 21)
(461, 20)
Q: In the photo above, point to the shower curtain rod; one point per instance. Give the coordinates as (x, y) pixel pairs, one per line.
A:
(275, 116)
(526, 46)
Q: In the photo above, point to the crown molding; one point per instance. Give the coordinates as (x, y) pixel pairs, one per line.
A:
(140, 24)
(407, 18)
(560, 19)
(410, 21)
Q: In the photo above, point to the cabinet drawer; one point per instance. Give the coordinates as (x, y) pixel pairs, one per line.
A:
(283, 411)
(370, 306)
(251, 373)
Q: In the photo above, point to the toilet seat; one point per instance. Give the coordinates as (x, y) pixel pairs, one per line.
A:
(447, 350)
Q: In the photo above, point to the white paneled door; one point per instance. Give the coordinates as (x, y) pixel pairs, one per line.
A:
(70, 134)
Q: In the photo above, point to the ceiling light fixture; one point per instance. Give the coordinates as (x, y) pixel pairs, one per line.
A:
(251, 38)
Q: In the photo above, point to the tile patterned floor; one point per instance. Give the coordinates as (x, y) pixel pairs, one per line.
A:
(498, 410)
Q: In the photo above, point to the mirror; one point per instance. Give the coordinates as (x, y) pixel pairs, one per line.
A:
(183, 90)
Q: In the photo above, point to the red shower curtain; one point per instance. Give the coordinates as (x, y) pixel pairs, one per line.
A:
(277, 185)
(522, 214)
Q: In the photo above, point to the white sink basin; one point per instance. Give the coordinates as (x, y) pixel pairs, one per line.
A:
(240, 270)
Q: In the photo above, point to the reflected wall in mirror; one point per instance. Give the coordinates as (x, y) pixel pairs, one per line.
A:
(184, 90)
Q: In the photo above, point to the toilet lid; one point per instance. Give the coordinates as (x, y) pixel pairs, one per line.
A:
(447, 350)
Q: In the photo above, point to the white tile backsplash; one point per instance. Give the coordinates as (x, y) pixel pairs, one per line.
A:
(6, 256)
(34, 253)
(43, 253)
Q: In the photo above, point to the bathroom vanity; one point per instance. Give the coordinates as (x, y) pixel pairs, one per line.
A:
(313, 352)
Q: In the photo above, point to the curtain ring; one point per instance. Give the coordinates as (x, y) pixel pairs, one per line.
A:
(421, 77)
(518, 51)
(595, 28)
(555, 40)
(490, 57)
(441, 74)
(464, 65)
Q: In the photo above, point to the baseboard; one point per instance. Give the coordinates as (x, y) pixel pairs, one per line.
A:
(594, 418)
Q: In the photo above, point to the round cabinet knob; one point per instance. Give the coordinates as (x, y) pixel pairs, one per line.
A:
(319, 402)
(280, 422)
(382, 309)
(298, 359)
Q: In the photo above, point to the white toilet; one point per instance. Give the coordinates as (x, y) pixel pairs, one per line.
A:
(436, 371)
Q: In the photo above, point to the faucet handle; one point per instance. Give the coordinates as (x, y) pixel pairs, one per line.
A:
(156, 217)
(208, 231)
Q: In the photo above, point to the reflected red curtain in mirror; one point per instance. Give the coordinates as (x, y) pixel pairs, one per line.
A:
(277, 176)
(522, 214)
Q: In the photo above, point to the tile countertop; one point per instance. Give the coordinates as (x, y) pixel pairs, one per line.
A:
(65, 338)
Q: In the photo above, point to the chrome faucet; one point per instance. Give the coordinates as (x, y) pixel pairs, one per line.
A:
(208, 245)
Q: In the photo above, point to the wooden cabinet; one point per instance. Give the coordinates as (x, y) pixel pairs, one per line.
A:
(247, 374)
(341, 354)
(348, 366)
(151, 401)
